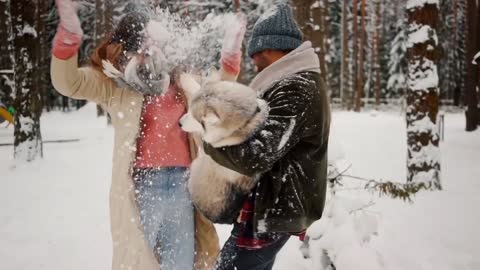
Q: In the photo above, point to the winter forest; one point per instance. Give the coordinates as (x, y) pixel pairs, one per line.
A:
(402, 79)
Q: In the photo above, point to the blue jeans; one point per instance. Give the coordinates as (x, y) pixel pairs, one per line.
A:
(166, 213)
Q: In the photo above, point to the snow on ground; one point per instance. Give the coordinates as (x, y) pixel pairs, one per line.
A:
(54, 212)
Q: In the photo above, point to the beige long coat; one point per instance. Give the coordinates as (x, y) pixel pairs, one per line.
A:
(130, 250)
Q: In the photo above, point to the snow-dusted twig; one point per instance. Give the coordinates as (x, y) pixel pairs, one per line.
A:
(395, 190)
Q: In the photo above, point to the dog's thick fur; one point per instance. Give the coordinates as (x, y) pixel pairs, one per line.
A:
(223, 114)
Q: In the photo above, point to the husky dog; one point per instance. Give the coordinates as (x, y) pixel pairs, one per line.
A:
(222, 113)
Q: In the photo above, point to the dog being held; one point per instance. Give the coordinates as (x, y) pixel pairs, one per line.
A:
(222, 113)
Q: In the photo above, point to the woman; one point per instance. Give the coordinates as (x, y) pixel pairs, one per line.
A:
(151, 214)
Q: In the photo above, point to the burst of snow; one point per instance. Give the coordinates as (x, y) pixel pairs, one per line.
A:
(232, 43)
(196, 45)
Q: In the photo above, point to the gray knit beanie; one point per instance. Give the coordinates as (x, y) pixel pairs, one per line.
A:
(276, 29)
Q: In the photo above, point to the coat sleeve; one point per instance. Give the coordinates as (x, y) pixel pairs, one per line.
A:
(81, 83)
(281, 131)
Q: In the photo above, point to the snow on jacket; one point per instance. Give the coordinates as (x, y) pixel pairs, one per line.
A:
(130, 250)
(288, 155)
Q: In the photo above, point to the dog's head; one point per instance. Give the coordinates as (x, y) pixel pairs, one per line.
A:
(218, 108)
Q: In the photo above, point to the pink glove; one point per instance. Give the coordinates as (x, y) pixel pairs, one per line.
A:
(232, 44)
(68, 16)
(69, 33)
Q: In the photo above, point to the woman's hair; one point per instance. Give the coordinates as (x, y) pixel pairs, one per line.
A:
(107, 51)
(127, 37)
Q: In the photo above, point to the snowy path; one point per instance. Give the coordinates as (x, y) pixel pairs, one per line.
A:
(54, 213)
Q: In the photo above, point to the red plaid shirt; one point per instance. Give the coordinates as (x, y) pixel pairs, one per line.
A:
(248, 237)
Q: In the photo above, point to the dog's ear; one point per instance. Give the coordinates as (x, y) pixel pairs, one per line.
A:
(189, 85)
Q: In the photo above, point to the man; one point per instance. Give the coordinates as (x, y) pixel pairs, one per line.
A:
(288, 154)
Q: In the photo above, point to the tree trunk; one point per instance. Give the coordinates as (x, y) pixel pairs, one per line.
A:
(460, 54)
(360, 70)
(345, 74)
(354, 56)
(327, 40)
(108, 17)
(378, 59)
(423, 160)
(99, 34)
(309, 15)
(28, 141)
(6, 65)
(373, 48)
(43, 52)
(471, 98)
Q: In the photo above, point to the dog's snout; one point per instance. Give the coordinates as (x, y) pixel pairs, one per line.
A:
(179, 124)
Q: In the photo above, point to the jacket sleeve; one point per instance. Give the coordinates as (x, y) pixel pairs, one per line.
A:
(81, 83)
(281, 131)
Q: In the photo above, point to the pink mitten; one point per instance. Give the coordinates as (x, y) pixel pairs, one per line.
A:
(66, 44)
(232, 44)
(69, 33)
(68, 16)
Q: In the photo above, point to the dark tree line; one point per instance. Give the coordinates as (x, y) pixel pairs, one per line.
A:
(361, 46)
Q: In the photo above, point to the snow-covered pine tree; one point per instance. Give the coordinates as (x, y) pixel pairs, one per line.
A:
(423, 159)
(377, 65)
(396, 85)
(460, 50)
(6, 65)
(361, 60)
(452, 64)
(345, 85)
(87, 15)
(446, 33)
(325, 22)
(310, 15)
(370, 49)
(100, 22)
(353, 57)
(28, 140)
(42, 78)
(334, 57)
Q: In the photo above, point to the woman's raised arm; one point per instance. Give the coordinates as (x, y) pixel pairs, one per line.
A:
(67, 77)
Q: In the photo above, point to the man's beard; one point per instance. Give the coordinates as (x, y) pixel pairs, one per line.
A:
(262, 63)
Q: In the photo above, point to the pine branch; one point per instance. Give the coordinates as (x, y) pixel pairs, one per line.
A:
(394, 190)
